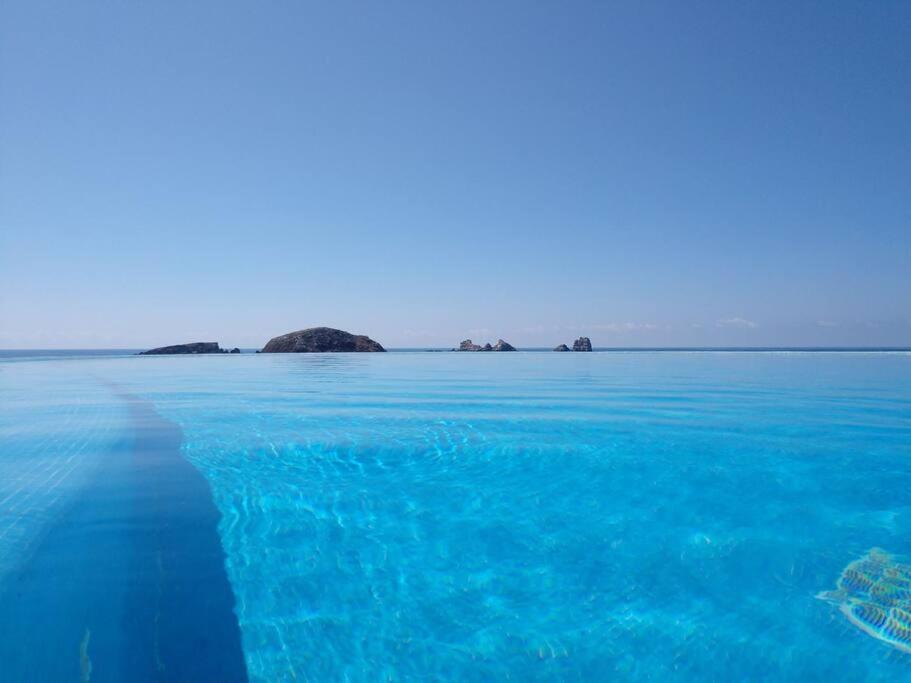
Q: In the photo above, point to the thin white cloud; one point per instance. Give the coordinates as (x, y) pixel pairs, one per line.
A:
(738, 323)
(826, 323)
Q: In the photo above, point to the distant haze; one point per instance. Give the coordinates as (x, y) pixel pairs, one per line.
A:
(659, 174)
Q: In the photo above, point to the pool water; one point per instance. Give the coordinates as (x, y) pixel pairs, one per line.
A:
(434, 516)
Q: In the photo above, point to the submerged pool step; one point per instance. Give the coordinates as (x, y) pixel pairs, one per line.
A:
(129, 584)
(47, 455)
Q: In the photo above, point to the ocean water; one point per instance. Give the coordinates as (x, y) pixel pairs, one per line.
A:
(417, 516)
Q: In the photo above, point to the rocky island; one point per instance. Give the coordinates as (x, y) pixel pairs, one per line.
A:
(321, 340)
(192, 348)
(501, 345)
(582, 344)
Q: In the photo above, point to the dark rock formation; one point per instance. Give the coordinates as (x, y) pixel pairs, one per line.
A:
(235, 350)
(469, 345)
(320, 340)
(196, 347)
(562, 347)
(582, 344)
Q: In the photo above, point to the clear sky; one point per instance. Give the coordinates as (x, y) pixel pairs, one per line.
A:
(646, 173)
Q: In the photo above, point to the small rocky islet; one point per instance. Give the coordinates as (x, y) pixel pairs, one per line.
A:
(501, 345)
(322, 340)
(193, 348)
(582, 344)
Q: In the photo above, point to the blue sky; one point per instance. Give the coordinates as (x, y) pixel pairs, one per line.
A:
(656, 173)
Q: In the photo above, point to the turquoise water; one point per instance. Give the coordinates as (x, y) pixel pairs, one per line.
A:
(432, 516)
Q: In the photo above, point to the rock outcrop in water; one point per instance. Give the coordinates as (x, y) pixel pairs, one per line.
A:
(582, 344)
(501, 345)
(179, 349)
(321, 340)
(562, 347)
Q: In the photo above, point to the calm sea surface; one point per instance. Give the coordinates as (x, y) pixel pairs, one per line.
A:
(434, 516)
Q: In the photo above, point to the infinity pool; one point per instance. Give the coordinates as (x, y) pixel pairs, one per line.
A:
(436, 516)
